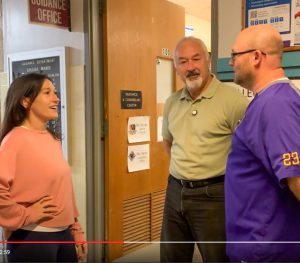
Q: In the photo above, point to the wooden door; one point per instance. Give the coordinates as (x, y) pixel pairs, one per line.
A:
(136, 31)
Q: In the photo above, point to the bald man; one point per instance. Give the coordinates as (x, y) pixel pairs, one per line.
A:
(262, 182)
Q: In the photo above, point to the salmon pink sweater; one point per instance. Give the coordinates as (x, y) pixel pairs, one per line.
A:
(32, 166)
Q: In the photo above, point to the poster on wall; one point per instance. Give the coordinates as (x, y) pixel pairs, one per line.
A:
(296, 22)
(274, 12)
(52, 63)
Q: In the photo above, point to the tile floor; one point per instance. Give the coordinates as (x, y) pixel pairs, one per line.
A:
(149, 254)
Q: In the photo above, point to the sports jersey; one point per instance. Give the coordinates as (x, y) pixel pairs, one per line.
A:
(260, 208)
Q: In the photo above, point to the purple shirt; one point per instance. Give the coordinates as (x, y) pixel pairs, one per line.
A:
(265, 151)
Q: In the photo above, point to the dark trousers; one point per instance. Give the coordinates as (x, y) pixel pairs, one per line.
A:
(196, 214)
(21, 252)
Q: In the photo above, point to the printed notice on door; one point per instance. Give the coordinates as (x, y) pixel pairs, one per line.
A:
(138, 129)
(138, 158)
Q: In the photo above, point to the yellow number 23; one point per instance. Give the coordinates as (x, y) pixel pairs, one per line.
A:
(290, 159)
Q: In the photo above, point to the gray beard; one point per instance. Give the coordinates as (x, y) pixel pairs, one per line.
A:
(194, 85)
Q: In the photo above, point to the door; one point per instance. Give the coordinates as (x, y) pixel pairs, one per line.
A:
(138, 32)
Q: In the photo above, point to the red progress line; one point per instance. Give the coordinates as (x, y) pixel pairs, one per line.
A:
(62, 242)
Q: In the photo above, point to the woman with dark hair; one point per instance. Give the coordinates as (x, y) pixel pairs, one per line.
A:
(36, 195)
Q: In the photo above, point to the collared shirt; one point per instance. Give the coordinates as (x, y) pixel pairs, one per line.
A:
(260, 207)
(200, 130)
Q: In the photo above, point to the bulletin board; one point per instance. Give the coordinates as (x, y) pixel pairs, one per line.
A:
(51, 62)
(284, 15)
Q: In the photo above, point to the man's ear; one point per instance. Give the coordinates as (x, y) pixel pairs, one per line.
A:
(257, 57)
(25, 102)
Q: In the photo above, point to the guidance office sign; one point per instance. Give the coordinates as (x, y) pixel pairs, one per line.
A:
(50, 12)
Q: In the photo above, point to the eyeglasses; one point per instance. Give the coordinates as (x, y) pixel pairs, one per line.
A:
(234, 54)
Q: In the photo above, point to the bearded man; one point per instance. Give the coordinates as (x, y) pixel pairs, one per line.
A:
(198, 123)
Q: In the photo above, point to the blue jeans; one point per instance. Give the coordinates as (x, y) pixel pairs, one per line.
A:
(190, 215)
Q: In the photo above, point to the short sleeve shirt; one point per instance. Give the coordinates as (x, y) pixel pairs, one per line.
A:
(265, 151)
(200, 130)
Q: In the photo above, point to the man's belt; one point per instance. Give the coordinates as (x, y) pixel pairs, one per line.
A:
(200, 183)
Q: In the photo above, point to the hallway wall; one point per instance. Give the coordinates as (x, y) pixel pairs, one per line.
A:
(229, 25)
(202, 28)
(21, 35)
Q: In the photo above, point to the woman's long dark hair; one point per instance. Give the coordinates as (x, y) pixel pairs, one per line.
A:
(26, 86)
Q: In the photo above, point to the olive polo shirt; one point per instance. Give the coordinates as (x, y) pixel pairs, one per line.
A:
(200, 130)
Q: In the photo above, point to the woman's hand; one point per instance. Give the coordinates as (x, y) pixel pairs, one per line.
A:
(43, 209)
(81, 250)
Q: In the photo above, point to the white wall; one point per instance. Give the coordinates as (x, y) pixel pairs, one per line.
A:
(230, 24)
(20, 36)
(202, 29)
